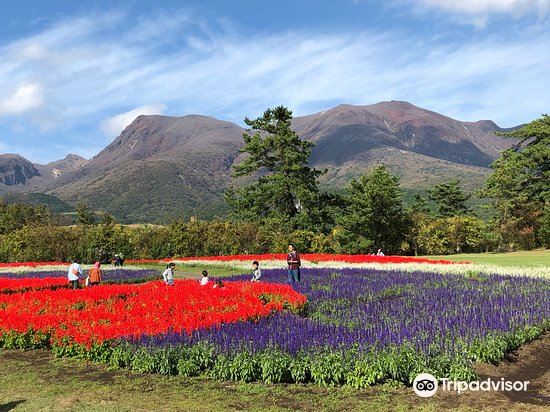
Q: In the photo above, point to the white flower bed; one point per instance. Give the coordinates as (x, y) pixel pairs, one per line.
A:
(458, 268)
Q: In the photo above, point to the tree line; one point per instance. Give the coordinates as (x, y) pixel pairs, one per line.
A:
(283, 203)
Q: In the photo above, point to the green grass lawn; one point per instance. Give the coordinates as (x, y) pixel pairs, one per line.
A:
(35, 380)
(524, 258)
(192, 271)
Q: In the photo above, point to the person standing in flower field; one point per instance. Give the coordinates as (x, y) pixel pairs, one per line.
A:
(74, 273)
(256, 273)
(168, 274)
(294, 263)
(380, 253)
(94, 276)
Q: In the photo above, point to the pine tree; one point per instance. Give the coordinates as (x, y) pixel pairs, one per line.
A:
(374, 217)
(84, 215)
(286, 187)
(449, 199)
(519, 187)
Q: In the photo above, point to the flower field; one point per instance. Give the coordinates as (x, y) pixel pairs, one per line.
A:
(354, 325)
(109, 276)
(12, 265)
(94, 315)
(312, 258)
(10, 285)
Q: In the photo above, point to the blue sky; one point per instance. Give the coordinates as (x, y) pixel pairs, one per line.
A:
(74, 74)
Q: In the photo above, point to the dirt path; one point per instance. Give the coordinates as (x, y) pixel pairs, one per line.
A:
(529, 363)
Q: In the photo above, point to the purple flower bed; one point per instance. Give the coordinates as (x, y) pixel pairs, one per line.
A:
(109, 276)
(371, 310)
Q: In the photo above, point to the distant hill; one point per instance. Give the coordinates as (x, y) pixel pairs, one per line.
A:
(54, 203)
(157, 168)
(421, 146)
(15, 170)
(163, 167)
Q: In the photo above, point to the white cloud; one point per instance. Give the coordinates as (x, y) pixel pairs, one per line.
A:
(26, 97)
(479, 12)
(93, 66)
(516, 7)
(116, 124)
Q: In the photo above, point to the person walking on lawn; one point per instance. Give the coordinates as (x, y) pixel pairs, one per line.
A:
(294, 263)
(74, 273)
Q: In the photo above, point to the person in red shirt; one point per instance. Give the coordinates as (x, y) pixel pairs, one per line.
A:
(294, 263)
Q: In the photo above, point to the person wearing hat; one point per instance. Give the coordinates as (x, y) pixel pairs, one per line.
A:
(94, 276)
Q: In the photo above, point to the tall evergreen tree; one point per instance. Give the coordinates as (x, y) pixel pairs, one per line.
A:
(419, 204)
(286, 186)
(84, 215)
(374, 217)
(449, 199)
(519, 187)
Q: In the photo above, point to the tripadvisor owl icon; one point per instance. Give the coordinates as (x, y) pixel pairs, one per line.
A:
(425, 385)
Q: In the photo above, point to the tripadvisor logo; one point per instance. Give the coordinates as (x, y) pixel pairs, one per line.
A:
(426, 385)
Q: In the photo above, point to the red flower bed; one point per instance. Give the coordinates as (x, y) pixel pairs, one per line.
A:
(24, 284)
(112, 311)
(311, 257)
(30, 264)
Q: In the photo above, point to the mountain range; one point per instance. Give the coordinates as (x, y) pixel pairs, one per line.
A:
(163, 167)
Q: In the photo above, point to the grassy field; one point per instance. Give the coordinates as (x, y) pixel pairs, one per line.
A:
(35, 380)
(524, 258)
(188, 271)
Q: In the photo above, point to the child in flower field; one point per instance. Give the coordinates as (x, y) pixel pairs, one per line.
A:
(168, 274)
(257, 273)
(94, 276)
(218, 285)
(74, 273)
(204, 281)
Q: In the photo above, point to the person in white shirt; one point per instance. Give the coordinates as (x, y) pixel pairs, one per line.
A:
(204, 280)
(168, 274)
(257, 273)
(74, 273)
(379, 253)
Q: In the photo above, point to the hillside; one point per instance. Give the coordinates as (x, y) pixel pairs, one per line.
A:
(163, 167)
(157, 168)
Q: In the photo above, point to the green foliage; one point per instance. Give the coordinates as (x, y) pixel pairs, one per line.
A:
(519, 188)
(455, 234)
(374, 216)
(276, 367)
(329, 368)
(449, 199)
(245, 367)
(325, 368)
(16, 216)
(51, 202)
(85, 216)
(286, 186)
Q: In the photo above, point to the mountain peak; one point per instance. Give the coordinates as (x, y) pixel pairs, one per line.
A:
(15, 170)
(74, 157)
